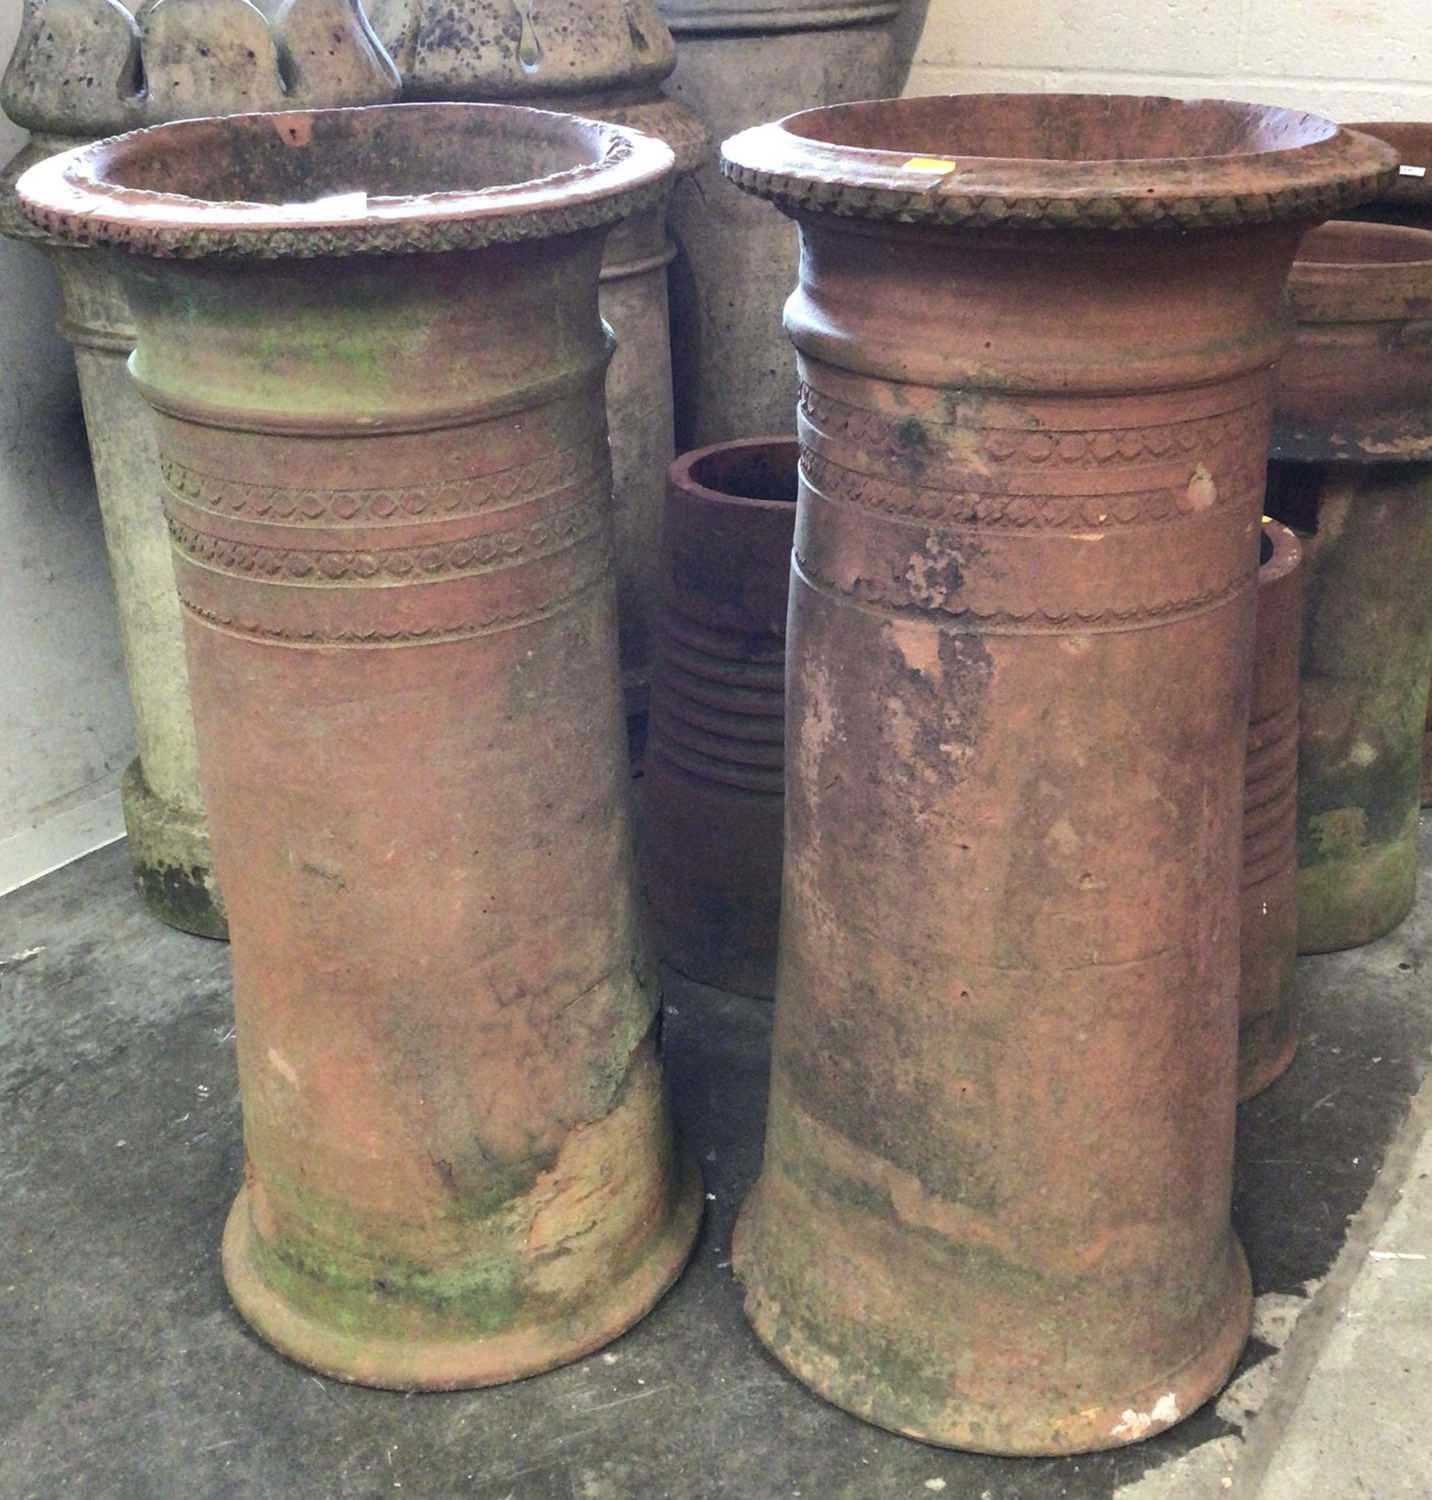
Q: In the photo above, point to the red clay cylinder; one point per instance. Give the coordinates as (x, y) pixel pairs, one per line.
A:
(713, 792)
(1268, 1027)
(372, 341)
(1036, 337)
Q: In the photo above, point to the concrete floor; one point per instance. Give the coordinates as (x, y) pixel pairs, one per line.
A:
(127, 1374)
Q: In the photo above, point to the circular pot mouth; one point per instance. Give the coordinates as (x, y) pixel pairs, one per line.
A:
(760, 472)
(1355, 272)
(1279, 552)
(1412, 140)
(388, 179)
(1061, 161)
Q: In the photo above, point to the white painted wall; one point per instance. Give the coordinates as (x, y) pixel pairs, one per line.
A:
(65, 731)
(1349, 59)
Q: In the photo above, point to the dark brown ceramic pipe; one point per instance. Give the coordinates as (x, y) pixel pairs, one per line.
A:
(1268, 1029)
(1036, 338)
(372, 343)
(713, 788)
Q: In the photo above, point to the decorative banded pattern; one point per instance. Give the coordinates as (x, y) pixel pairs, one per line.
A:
(98, 337)
(468, 495)
(485, 623)
(180, 240)
(1037, 620)
(1042, 446)
(477, 554)
(726, 667)
(910, 497)
(1015, 512)
(1311, 201)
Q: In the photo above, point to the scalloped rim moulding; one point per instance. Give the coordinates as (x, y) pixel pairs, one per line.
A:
(82, 196)
(802, 165)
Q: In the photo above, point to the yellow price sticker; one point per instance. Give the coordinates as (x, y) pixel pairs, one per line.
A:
(930, 164)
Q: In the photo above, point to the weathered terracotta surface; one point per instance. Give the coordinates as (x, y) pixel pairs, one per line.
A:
(736, 263)
(88, 67)
(1352, 444)
(1268, 1025)
(994, 1208)
(713, 793)
(1356, 387)
(604, 59)
(371, 338)
(1408, 201)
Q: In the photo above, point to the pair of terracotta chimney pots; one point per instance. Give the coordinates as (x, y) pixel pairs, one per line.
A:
(1037, 339)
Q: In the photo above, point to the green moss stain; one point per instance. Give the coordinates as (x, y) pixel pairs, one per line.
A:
(485, 1295)
(1349, 807)
(801, 1163)
(482, 1187)
(1358, 800)
(350, 1275)
(860, 1363)
(280, 337)
(1357, 892)
(1367, 652)
(332, 1268)
(182, 897)
(911, 434)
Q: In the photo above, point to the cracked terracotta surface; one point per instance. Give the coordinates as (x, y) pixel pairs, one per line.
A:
(389, 502)
(1036, 339)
